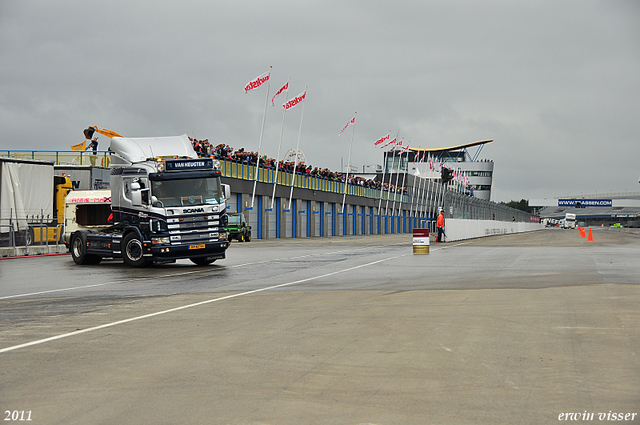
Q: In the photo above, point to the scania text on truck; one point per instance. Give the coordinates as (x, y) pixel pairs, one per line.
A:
(166, 203)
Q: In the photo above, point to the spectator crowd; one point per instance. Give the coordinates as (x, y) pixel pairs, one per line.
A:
(225, 152)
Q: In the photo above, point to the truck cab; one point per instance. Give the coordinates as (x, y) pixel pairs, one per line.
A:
(166, 204)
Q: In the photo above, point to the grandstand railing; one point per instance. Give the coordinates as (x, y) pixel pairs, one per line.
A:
(232, 169)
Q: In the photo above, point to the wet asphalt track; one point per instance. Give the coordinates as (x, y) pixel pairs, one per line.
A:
(339, 330)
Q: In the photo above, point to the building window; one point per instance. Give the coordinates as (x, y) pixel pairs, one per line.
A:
(479, 173)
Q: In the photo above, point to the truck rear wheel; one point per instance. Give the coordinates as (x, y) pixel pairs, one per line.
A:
(25, 238)
(79, 250)
(133, 250)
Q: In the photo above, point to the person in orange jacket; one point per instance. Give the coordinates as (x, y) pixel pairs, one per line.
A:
(440, 226)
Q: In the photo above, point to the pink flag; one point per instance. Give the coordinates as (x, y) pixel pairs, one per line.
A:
(283, 88)
(397, 145)
(353, 121)
(293, 102)
(257, 82)
(393, 142)
(382, 139)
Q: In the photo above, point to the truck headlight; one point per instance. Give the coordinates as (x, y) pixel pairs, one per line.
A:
(161, 240)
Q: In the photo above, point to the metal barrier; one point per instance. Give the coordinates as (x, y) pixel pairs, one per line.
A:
(244, 171)
(233, 169)
(100, 158)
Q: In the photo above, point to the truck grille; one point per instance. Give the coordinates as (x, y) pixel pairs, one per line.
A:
(194, 228)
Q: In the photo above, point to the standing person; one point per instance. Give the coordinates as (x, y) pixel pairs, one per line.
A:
(440, 225)
(94, 147)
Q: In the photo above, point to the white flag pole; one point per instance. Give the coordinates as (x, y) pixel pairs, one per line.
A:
(431, 198)
(275, 180)
(395, 193)
(404, 175)
(264, 116)
(346, 180)
(413, 192)
(421, 184)
(384, 170)
(295, 163)
(416, 192)
(424, 198)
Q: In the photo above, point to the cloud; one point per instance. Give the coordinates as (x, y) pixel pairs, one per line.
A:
(553, 83)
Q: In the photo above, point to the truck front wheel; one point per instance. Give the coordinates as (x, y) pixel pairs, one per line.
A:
(133, 250)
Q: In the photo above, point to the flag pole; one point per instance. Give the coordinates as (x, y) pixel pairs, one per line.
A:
(346, 179)
(295, 163)
(386, 205)
(404, 175)
(264, 116)
(415, 196)
(384, 170)
(395, 193)
(275, 180)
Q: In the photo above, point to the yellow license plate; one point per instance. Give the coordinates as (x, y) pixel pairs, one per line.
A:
(196, 246)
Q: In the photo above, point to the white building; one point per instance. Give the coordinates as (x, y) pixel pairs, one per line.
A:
(478, 171)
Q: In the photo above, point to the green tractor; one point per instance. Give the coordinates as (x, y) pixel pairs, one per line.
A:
(237, 227)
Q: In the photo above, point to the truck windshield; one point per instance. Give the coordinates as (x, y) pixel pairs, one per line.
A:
(187, 192)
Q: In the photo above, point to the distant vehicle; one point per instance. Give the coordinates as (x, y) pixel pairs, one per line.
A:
(237, 227)
(569, 221)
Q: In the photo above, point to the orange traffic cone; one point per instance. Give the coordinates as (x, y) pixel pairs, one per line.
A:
(590, 238)
(582, 234)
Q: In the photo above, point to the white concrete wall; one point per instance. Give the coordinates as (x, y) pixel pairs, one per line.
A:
(457, 229)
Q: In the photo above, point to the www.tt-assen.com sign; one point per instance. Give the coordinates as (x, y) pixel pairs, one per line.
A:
(585, 202)
(190, 164)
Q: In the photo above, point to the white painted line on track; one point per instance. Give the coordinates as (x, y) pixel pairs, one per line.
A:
(184, 307)
(55, 290)
(95, 285)
(73, 288)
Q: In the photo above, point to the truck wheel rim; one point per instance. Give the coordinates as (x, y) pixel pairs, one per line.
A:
(77, 244)
(134, 250)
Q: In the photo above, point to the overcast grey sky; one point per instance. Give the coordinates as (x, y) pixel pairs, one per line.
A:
(555, 84)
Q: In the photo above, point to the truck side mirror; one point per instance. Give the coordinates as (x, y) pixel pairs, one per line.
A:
(136, 197)
(226, 189)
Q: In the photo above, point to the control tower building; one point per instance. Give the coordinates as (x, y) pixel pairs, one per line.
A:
(462, 157)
